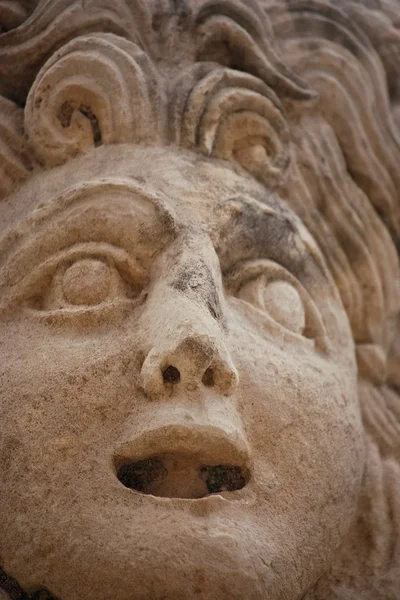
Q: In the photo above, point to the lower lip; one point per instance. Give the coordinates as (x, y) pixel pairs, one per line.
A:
(245, 496)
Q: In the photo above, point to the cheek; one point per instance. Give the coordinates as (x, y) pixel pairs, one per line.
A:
(56, 387)
(64, 406)
(302, 419)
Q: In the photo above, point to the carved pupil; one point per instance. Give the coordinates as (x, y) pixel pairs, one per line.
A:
(283, 303)
(86, 282)
(279, 299)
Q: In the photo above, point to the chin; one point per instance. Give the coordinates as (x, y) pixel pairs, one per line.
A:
(142, 548)
(188, 564)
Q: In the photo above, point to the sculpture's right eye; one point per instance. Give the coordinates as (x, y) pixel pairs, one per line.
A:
(85, 282)
(85, 278)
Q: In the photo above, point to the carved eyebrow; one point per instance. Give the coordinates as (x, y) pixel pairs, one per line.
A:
(83, 190)
(75, 195)
(257, 230)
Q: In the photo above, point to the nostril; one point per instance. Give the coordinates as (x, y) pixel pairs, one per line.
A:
(171, 375)
(208, 377)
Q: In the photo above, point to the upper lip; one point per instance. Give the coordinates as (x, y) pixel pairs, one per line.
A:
(210, 443)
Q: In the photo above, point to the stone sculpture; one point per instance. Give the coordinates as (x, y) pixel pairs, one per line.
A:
(199, 299)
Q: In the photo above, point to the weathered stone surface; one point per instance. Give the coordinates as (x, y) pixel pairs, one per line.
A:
(199, 309)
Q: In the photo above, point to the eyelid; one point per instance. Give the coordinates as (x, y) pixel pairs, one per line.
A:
(245, 272)
(35, 283)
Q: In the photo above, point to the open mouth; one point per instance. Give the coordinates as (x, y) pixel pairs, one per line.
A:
(187, 464)
(180, 476)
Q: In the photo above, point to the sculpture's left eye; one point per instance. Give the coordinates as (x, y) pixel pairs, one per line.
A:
(279, 299)
(275, 301)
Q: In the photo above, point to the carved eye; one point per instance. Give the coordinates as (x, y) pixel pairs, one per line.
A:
(279, 299)
(276, 302)
(87, 281)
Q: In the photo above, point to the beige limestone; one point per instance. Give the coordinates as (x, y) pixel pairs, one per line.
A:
(199, 309)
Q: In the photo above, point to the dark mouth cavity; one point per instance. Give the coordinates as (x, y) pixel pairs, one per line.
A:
(180, 476)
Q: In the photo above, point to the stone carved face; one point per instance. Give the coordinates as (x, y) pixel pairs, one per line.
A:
(190, 393)
(180, 404)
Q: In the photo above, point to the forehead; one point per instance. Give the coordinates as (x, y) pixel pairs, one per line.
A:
(173, 192)
(190, 184)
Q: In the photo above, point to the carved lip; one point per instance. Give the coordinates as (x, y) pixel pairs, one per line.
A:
(211, 444)
(184, 462)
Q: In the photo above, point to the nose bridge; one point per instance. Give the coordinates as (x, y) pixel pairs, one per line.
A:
(185, 342)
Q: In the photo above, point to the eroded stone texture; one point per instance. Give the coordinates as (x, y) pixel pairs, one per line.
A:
(199, 307)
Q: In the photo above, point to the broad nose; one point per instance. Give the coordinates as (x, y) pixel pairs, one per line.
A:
(196, 358)
(185, 340)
